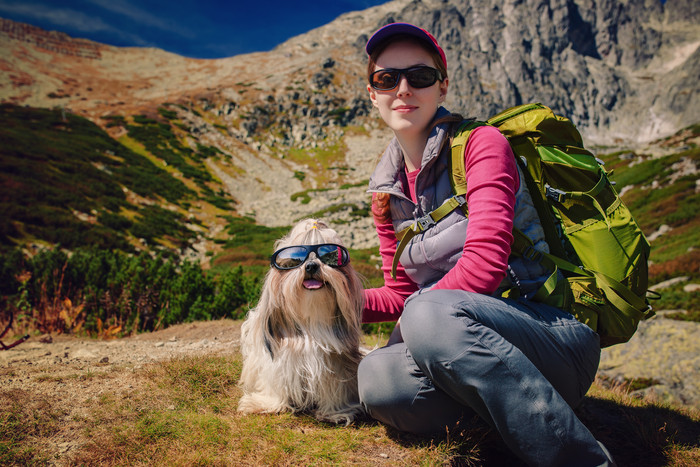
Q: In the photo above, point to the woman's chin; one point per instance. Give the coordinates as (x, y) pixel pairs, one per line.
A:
(408, 124)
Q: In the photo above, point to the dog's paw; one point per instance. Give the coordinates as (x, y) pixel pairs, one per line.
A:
(260, 403)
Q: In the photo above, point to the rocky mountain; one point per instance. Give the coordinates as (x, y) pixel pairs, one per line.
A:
(621, 70)
(294, 125)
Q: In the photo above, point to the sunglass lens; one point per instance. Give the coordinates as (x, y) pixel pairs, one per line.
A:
(385, 79)
(421, 77)
(291, 257)
(332, 255)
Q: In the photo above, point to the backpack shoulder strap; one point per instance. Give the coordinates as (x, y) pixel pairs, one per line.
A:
(458, 171)
(458, 179)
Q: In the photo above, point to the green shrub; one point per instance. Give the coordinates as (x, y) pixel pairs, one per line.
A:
(169, 114)
(143, 120)
(114, 221)
(136, 292)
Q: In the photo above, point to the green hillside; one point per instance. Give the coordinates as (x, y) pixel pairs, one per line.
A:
(663, 193)
(66, 183)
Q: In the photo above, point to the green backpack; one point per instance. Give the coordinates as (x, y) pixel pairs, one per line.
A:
(593, 239)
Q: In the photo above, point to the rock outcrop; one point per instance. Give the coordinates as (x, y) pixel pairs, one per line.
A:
(621, 70)
(662, 358)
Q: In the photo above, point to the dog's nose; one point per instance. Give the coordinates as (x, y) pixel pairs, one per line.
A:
(311, 267)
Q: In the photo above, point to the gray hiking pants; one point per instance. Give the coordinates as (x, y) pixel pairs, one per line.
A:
(521, 366)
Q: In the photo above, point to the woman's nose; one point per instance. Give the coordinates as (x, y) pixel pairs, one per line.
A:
(403, 88)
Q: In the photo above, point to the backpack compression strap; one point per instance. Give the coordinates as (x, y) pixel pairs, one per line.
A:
(458, 179)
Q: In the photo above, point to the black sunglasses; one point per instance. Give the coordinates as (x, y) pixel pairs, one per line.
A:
(292, 257)
(418, 77)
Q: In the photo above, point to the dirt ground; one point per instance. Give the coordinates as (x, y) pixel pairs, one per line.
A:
(71, 372)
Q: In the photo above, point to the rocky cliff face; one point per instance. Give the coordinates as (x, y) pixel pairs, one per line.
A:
(621, 70)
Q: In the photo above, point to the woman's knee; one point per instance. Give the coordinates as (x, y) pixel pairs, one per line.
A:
(394, 391)
(426, 320)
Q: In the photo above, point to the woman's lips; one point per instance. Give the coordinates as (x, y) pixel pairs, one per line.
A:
(405, 108)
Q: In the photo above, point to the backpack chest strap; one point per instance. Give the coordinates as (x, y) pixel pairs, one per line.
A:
(422, 224)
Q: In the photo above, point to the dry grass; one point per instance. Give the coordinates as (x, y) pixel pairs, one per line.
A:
(183, 412)
(642, 432)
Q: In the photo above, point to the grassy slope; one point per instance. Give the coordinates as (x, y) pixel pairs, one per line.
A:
(63, 180)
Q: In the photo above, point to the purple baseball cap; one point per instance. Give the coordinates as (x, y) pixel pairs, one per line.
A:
(393, 29)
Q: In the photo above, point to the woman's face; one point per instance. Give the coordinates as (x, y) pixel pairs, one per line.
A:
(405, 109)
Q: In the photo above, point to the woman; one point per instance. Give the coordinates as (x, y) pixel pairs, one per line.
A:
(459, 347)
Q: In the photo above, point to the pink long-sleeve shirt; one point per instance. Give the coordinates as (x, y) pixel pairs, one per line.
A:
(492, 181)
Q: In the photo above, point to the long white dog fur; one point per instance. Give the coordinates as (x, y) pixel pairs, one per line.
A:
(301, 347)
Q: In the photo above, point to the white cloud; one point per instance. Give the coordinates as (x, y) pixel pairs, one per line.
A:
(58, 16)
(142, 17)
(67, 19)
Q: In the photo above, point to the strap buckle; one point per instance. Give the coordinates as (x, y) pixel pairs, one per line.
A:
(532, 254)
(425, 222)
(555, 194)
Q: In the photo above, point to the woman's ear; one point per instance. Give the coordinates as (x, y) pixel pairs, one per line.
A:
(444, 84)
(372, 95)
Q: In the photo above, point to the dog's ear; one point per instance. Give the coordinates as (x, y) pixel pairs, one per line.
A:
(263, 327)
(273, 323)
(350, 304)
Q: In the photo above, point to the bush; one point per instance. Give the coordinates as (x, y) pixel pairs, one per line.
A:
(132, 293)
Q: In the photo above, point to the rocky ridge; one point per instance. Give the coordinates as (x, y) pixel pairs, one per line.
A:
(600, 63)
(625, 73)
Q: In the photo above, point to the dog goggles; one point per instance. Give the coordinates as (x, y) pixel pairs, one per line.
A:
(418, 77)
(292, 257)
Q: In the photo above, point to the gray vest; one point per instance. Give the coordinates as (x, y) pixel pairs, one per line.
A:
(431, 254)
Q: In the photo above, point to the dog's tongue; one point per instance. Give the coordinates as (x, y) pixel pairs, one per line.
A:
(312, 284)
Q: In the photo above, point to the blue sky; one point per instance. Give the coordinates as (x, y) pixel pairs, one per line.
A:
(194, 28)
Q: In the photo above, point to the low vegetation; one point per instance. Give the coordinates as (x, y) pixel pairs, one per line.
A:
(662, 193)
(76, 180)
(109, 294)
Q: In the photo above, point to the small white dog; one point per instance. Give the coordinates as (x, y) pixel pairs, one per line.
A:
(301, 343)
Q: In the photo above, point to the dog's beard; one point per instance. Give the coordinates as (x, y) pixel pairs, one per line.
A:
(326, 314)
